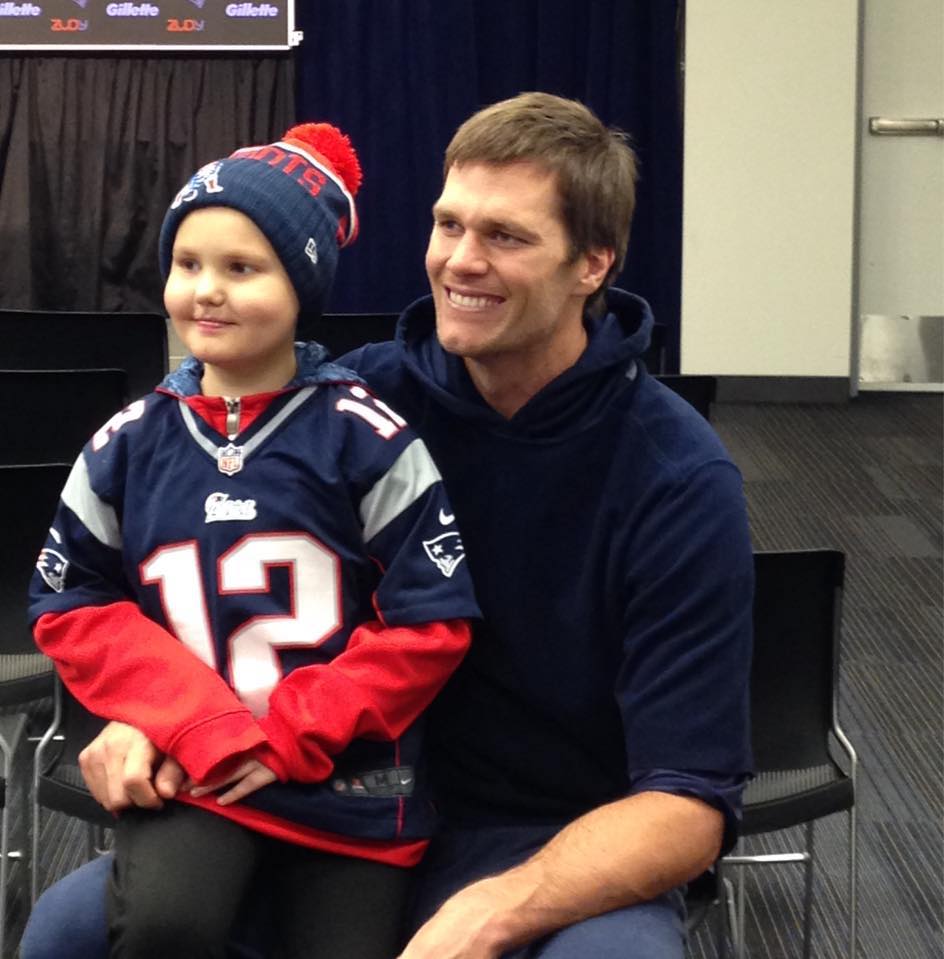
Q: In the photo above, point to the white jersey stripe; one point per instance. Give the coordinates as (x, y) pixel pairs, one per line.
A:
(412, 473)
(98, 517)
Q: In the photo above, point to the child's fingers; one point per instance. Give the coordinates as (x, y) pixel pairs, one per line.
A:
(259, 777)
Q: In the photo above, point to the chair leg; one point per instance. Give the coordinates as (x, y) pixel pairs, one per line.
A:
(36, 818)
(730, 907)
(808, 891)
(741, 910)
(35, 825)
(853, 884)
(7, 752)
(727, 922)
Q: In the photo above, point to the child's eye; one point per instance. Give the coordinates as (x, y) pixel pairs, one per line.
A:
(186, 263)
(240, 268)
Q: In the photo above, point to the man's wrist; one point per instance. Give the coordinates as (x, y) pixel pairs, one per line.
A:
(516, 916)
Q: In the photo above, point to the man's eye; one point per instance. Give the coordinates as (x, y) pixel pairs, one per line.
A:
(505, 239)
(449, 227)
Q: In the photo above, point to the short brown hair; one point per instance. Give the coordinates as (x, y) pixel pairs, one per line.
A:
(595, 167)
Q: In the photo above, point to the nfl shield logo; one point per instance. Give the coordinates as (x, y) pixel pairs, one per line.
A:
(229, 459)
(446, 551)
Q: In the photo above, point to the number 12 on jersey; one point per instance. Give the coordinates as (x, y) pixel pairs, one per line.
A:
(252, 648)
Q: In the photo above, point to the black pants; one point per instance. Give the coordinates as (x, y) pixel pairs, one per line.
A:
(183, 875)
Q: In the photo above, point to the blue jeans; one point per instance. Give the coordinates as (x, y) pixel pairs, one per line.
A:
(68, 921)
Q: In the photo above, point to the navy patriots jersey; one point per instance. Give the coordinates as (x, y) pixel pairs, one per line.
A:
(311, 543)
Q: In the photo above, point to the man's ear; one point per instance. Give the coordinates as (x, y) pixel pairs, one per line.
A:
(595, 264)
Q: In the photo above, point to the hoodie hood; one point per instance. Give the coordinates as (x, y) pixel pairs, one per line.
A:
(572, 401)
(314, 369)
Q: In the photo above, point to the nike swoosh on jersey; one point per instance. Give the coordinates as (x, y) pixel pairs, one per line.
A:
(446, 518)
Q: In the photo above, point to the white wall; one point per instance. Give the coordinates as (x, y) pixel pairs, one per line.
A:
(770, 115)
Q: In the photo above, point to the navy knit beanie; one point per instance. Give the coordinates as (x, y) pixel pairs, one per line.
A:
(298, 191)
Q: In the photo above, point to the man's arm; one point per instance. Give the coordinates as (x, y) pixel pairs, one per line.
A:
(616, 855)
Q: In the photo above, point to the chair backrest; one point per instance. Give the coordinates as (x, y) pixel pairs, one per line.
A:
(797, 612)
(29, 495)
(133, 342)
(46, 416)
(342, 332)
(698, 389)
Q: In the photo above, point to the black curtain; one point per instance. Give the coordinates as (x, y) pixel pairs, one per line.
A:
(92, 151)
(400, 75)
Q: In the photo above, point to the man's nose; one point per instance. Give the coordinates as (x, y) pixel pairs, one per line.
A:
(468, 255)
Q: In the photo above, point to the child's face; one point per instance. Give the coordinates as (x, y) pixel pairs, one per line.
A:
(232, 303)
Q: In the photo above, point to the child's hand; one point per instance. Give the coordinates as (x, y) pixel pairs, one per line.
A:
(246, 779)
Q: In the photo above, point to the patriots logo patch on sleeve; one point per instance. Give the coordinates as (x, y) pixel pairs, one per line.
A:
(53, 567)
(446, 551)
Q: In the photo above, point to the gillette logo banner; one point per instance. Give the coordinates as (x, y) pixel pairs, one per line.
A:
(132, 10)
(158, 26)
(251, 10)
(20, 10)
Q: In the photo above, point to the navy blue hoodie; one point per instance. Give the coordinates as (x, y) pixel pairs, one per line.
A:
(606, 532)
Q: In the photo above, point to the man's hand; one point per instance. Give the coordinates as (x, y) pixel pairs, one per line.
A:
(245, 779)
(467, 926)
(123, 768)
(625, 852)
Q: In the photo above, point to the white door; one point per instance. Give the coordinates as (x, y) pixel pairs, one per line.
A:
(900, 336)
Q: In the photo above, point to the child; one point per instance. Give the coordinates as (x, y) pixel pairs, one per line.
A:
(256, 566)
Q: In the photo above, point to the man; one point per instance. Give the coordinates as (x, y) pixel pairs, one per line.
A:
(591, 751)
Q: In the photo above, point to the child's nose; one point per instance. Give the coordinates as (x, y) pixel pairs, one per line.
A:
(208, 287)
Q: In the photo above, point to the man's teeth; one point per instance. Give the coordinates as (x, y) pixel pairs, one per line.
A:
(472, 302)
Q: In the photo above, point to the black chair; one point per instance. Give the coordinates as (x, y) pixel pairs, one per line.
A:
(699, 390)
(47, 415)
(711, 896)
(58, 784)
(806, 766)
(12, 728)
(30, 494)
(133, 342)
(342, 332)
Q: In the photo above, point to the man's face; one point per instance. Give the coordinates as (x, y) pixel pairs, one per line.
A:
(499, 265)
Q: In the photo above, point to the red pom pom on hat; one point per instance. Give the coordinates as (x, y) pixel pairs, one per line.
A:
(333, 147)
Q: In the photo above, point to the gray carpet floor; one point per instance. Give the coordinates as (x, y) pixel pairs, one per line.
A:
(864, 477)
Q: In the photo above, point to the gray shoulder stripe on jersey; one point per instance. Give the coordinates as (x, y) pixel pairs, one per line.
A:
(412, 473)
(210, 448)
(98, 517)
(277, 420)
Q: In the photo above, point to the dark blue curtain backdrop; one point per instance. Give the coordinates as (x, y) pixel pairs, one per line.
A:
(400, 75)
